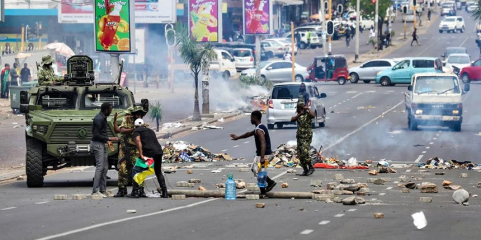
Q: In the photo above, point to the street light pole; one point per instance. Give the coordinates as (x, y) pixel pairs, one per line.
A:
(377, 25)
(358, 15)
(293, 54)
(330, 18)
(322, 17)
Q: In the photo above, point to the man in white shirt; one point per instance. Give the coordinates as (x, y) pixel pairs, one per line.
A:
(287, 56)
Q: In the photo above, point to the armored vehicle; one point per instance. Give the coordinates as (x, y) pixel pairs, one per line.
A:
(59, 119)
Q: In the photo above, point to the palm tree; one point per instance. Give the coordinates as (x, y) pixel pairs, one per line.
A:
(156, 113)
(197, 57)
(477, 13)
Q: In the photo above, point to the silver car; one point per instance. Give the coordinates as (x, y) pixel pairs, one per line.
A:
(277, 71)
(367, 71)
(284, 42)
(273, 48)
(283, 102)
(244, 59)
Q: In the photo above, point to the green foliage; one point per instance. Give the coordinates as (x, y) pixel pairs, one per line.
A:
(247, 81)
(156, 111)
(369, 10)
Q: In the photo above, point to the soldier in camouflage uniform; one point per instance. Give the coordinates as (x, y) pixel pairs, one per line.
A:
(304, 135)
(128, 152)
(46, 75)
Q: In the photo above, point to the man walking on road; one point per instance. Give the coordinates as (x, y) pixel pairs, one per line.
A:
(304, 135)
(25, 74)
(263, 147)
(415, 37)
(348, 36)
(149, 147)
(429, 15)
(100, 137)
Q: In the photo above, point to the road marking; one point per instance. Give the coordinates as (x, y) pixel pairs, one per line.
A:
(273, 130)
(352, 210)
(388, 188)
(246, 141)
(355, 96)
(324, 222)
(463, 42)
(351, 92)
(307, 231)
(419, 158)
(382, 194)
(428, 147)
(426, 48)
(423, 152)
(47, 201)
(372, 91)
(224, 150)
(339, 215)
(4, 209)
(361, 127)
(434, 138)
(409, 170)
(390, 91)
(431, 143)
(236, 145)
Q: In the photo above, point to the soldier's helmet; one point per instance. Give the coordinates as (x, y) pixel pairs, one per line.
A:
(47, 59)
(138, 109)
(129, 110)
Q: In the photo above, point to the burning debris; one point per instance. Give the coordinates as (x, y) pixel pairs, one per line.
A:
(255, 103)
(439, 163)
(181, 151)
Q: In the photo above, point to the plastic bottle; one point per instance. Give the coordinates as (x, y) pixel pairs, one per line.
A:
(230, 188)
(262, 178)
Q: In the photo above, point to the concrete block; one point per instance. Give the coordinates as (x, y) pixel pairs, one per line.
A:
(182, 184)
(97, 197)
(195, 181)
(427, 187)
(463, 175)
(426, 199)
(337, 192)
(78, 197)
(338, 177)
(405, 190)
(378, 215)
(251, 185)
(364, 190)
(378, 182)
(323, 197)
(348, 181)
(331, 185)
(387, 179)
(59, 197)
(371, 180)
(178, 197)
(316, 183)
(191, 184)
(252, 197)
(253, 189)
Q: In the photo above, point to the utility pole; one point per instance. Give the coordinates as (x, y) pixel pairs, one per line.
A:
(23, 39)
(293, 54)
(376, 19)
(170, 45)
(358, 15)
(330, 19)
(404, 17)
(322, 17)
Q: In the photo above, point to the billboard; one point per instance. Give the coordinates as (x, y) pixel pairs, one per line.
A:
(203, 16)
(114, 20)
(257, 17)
(146, 11)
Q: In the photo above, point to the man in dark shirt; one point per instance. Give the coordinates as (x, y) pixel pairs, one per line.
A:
(14, 75)
(25, 74)
(100, 137)
(149, 146)
(263, 147)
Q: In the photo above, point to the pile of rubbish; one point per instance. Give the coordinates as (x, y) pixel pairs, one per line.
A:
(172, 125)
(182, 151)
(206, 125)
(258, 103)
(439, 163)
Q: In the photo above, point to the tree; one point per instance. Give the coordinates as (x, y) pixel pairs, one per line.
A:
(156, 113)
(369, 10)
(477, 12)
(195, 56)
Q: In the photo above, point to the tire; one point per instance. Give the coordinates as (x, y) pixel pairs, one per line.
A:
(385, 81)
(465, 78)
(412, 125)
(263, 79)
(226, 76)
(462, 29)
(303, 45)
(323, 124)
(270, 126)
(34, 163)
(354, 78)
(366, 81)
(313, 47)
(314, 121)
(299, 78)
(279, 125)
(456, 127)
(341, 81)
(270, 54)
(440, 31)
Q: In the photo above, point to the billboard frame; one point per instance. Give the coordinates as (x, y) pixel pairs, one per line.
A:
(219, 25)
(271, 22)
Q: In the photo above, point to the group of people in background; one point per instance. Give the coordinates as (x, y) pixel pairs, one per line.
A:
(13, 76)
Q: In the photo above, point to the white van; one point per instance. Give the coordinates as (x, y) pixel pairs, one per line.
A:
(224, 66)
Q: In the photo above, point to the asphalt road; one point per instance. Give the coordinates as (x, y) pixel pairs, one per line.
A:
(368, 123)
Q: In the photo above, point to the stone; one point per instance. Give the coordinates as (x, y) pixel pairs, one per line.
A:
(337, 200)
(195, 181)
(345, 192)
(371, 180)
(400, 185)
(364, 190)
(60, 197)
(191, 185)
(426, 199)
(182, 184)
(446, 183)
(405, 190)
(337, 192)
(178, 197)
(323, 191)
(322, 197)
(97, 197)
(240, 185)
(391, 170)
(460, 196)
(189, 171)
(200, 188)
(78, 197)
(463, 175)
(340, 187)
(383, 170)
(362, 185)
(427, 187)
(379, 182)
(387, 179)
(253, 189)
(251, 184)
(368, 161)
(474, 195)
(352, 188)
(338, 177)
(348, 181)
(402, 178)
(291, 171)
(20, 178)
(361, 194)
(239, 180)
(285, 185)
(295, 178)
(378, 215)
(353, 200)
(360, 200)
(244, 170)
(331, 186)
(439, 173)
(131, 211)
(410, 185)
(419, 179)
(479, 184)
(465, 204)
(423, 171)
(260, 205)
(252, 196)
(220, 185)
(316, 183)
(373, 172)
(453, 187)
(328, 201)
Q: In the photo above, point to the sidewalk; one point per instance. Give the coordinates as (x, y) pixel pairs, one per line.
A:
(11, 173)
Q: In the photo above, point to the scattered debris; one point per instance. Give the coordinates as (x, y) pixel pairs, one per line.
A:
(439, 163)
(348, 181)
(446, 183)
(20, 178)
(178, 197)
(353, 200)
(181, 151)
(453, 187)
(419, 220)
(131, 211)
(285, 185)
(172, 125)
(426, 199)
(316, 183)
(60, 197)
(379, 182)
(195, 181)
(461, 196)
(378, 215)
(427, 187)
(189, 171)
(260, 205)
(182, 184)
(220, 185)
(439, 173)
(410, 185)
(405, 190)
(373, 172)
(463, 175)
(200, 188)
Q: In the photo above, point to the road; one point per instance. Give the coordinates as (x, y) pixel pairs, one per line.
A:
(367, 122)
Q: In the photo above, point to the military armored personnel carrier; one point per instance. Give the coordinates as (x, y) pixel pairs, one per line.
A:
(59, 119)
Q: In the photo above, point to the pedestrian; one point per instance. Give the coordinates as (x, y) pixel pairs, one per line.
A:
(5, 80)
(25, 74)
(348, 36)
(353, 32)
(263, 148)
(100, 138)
(388, 38)
(14, 76)
(429, 15)
(478, 42)
(372, 35)
(308, 38)
(148, 147)
(304, 118)
(287, 56)
(415, 38)
(297, 36)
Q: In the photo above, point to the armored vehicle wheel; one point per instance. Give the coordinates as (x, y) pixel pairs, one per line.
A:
(34, 164)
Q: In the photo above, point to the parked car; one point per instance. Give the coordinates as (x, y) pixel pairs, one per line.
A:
(402, 72)
(244, 58)
(224, 66)
(284, 42)
(273, 48)
(283, 102)
(478, 26)
(233, 45)
(472, 72)
(452, 24)
(368, 70)
(451, 50)
(303, 45)
(472, 8)
(277, 71)
(470, 3)
(448, 9)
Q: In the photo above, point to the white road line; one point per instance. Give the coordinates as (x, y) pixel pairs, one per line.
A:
(246, 141)
(388, 188)
(307, 231)
(351, 92)
(382, 194)
(324, 222)
(423, 152)
(371, 91)
(355, 96)
(409, 170)
(236, 145)
(339, 215)
(431, 143)
(419, 158)
(273, 130)
(463, 42)
(361, 127)
(224, 150)
(352, 210)
(428, 147)
(4, 209)
(38, 203)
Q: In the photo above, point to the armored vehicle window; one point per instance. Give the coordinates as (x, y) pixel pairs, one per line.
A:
(57, 101)
(95, 99)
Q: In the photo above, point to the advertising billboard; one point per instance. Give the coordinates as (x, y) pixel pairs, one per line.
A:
(146, 11)
(257, 17)
(203, 16)
(114, 20)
